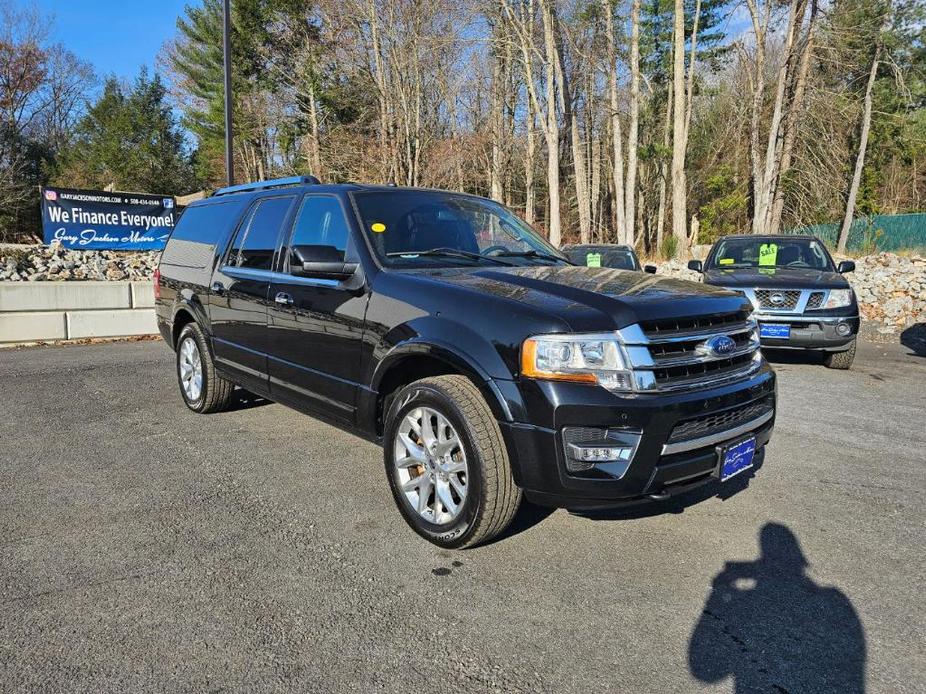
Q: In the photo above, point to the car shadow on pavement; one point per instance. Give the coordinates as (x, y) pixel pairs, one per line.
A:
(914, 339)
(767, 625)
(244, 400)
(787, 356)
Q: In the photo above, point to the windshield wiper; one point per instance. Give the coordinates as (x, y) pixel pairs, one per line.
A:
(449, 253)
(532, 254)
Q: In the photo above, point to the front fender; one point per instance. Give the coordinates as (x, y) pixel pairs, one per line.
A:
(458, 346)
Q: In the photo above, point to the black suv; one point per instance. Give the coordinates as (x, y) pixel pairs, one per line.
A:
(801, 299)
(442, 327)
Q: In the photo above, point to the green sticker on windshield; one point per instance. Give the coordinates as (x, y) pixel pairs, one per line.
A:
(768, 253)
(593, 259)
(725, 261)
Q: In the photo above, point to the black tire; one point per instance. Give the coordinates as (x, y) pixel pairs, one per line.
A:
(216, 392)
(841, 360)
(492, 497)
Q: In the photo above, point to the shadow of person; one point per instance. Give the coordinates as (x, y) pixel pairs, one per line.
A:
(768, 626)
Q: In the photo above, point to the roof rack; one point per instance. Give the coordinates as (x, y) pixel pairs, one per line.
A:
(266, 185)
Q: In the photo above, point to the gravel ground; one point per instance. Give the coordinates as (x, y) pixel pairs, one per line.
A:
(145, 548)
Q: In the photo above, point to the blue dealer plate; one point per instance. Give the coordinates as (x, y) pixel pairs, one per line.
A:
(736, 458)
(775, 330)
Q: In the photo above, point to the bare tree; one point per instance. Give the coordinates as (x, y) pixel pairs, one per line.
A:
(864, 130)
(679, 134)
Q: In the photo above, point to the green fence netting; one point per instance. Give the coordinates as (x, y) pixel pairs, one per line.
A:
(883, 232)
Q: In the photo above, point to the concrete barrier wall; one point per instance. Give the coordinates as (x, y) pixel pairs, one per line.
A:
(38, 311)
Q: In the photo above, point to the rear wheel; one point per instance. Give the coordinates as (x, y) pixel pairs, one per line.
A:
(203, 390)
(841, 360)
(447, 464)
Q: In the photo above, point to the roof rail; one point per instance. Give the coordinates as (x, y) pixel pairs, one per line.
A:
(266, 185)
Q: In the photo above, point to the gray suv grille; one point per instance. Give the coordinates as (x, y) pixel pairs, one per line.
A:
(778, 299)
(816, 299)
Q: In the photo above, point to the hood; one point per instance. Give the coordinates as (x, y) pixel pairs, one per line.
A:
(775, 278)
(595, 299)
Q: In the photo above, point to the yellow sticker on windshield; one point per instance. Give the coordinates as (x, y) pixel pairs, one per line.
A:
(768, 253)
(593, 259)
(378, 227)
(725, 261)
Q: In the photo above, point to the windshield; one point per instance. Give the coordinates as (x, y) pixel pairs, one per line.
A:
(766, 252)
(603, 256)
(411, 228)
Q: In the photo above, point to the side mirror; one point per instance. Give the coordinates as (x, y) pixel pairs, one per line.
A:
(325, 262)
(696, 265)
(846, 266)
(651, 269)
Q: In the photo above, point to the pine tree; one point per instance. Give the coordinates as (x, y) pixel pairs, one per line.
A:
(129, 139)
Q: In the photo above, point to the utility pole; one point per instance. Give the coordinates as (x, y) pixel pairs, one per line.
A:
(226, 41)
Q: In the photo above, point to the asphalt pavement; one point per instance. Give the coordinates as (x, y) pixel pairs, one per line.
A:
(146, 548)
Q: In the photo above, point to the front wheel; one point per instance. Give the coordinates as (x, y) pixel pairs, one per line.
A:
(203, 390)
(447, 464)
(841, 360)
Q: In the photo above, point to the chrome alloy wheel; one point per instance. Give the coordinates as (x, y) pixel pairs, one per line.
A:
(430, 465)
(191, 369)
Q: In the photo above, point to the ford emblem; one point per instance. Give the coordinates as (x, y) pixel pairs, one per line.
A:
(721, 345)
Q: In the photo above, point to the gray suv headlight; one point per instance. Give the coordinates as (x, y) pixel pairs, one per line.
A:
(838, 298)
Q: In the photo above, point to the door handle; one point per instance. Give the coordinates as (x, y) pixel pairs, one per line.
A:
(283, 299)
(218, 287)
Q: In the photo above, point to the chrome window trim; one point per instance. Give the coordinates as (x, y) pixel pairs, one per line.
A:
(278, 277)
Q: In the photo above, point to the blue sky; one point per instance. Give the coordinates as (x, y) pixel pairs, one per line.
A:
(116, 36)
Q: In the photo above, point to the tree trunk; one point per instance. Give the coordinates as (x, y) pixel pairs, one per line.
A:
(529, 154)
(630, 208)
(617, 147)
(679, 141)
(765, 194)
(795, 109)
(552, 127)
(863, 141)
(495, 121)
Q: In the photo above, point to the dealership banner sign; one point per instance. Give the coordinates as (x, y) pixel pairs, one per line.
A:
(99, 220)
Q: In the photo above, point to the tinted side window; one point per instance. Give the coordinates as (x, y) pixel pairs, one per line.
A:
(199, 231)
(321, 222)
(257, 238)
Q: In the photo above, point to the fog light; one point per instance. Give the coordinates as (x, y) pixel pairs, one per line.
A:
(604, 450)
(843, 329)
(599, 454)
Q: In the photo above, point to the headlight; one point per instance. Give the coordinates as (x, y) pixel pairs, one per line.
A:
(580, 358)
(838, 298)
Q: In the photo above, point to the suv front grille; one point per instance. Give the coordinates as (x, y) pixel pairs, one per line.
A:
(778, 299)
(698, 427)
(687, 372)
(815, 300)
(671, 326)
(676, 354)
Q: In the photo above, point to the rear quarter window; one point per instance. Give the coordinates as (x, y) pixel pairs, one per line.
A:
(200, 230)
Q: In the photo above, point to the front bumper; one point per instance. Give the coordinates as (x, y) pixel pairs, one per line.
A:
(821, 333)
(659, 466)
